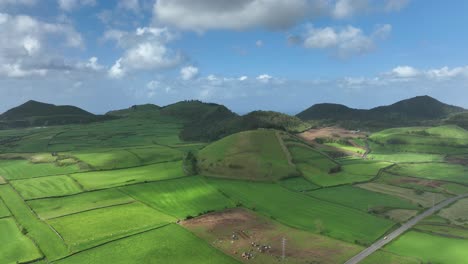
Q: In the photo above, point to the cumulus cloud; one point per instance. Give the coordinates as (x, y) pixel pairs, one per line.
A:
(264, 78)
(345, 41)
(144, 49)
(405, 72)
(26, 47)
(188, 73)
(203, 15)
(69, 5)
(349, 8)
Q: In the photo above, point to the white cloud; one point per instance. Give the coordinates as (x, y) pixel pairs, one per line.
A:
(144, 49)
(264, 78)
(395, 5)
(26, 47)
(69, 5)
(188, 73)
(131, 5)
(405, 72)
(349, 8)
(243, 78)
(18, 2)
(345, 41)
(447, 73)
(203, 15)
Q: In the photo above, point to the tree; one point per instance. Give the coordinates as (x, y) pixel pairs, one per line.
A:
(190, 164)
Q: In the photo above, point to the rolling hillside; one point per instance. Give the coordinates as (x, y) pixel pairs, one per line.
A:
(420, 110)
(33, 113)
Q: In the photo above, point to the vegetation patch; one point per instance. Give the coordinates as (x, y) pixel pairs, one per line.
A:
(434, 171)
(304, 212)
(182, 198)
(298, 184)
(361, 199)
(157, 246)
(114, 178)
(49, 186)
(457, 213)
(91, 228)
(4, 212)
(430, 248)
(16, 247)
(233, 231)
(254, 155)
(424, 199)
(24, 169)
(56, 207)
(400, 215)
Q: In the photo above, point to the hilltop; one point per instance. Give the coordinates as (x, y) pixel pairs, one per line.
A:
(33, 113)
(420, 110)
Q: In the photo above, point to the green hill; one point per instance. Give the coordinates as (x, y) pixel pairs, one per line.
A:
(135, 110)
(33, 113)
(254, 155)
(420, 110)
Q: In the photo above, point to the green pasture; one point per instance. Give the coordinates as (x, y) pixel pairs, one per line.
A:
(48, 241)
(443, 230)
(91, 228)
(4, 210)
(24, 169)
(298, 184)
(156, 246)
(183, 197)
(406, 157)
(424, 199)
(49, 186)
(457, 213)
(15, 247)
(435, 171)
(361, 199)
(55, 207)
(114, 178)
(430, 248)
(304, 212)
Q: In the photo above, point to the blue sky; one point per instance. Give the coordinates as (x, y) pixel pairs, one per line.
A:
(282, 55)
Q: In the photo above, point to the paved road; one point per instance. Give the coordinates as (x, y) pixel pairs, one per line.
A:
(382, 242)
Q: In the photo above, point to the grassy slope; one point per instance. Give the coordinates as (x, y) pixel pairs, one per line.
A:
(181, 197)
(55, 207)
(49, 186)
(158, 246)
(430, 248)
(360, 199)
(24, 169)
(87, 229)
(48, 241)
(305, 212)
(114, 178)
(253, 155)
(16, 247)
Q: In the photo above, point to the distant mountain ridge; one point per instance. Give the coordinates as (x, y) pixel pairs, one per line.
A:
(33, 113)
(418, 110)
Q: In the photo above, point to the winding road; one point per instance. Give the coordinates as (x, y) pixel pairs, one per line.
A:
(387, 239)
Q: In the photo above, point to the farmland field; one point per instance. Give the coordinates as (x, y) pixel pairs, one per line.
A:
(24, 169)
(305, 212)
(456, 213)
(430, 248)
(173, 242)
(15, 244)
(434, 171)
(4, 210)
(91, 228)
(184, 197)
(49, 186)
(114, 178)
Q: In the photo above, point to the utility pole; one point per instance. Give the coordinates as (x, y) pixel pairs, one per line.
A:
(283, 256)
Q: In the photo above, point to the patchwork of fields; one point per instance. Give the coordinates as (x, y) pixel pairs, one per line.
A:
(117, 192)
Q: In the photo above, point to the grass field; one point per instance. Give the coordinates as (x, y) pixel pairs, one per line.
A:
(91, 228)
(55, 207)
(49, 186)
(254, 155)
(49, 242)
(129, 157)
(406, 157)
(304, 212)
(424, 199)
(361, 199)
(157, 246)
(298, 184)
(4, 210)
(16, 247)
(113, 178)
(457, 213)
(303, 247)
(444, 230)
(430, 248)
(24, 169)
(184, 197)
(434, 171)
